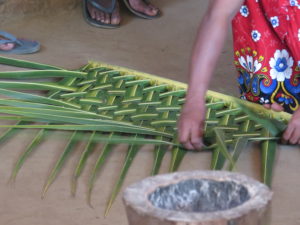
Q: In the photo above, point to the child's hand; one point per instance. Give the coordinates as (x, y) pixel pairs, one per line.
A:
(292, 132)
(190, 126)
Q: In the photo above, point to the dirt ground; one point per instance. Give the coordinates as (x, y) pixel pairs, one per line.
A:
(161, 47)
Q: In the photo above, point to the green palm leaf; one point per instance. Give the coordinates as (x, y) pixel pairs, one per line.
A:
(11, 131)
(20, 75)
(59, 164)
(178, 154)
(36, 98)
(26, 64)
(100, 161)
(29, 149)
(159, 153)
(101, 103)
(220, 137)
(132, 151)
(218, 159)
(268, 160)
(82, 162)
(240, 145)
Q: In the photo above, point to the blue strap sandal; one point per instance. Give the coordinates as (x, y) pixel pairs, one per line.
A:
(140, 14)
(97, 5)
(22, 46)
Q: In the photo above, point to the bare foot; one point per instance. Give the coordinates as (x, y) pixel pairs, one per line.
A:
(107, 18)
(141, 6)
(6, 47)
(275, 106)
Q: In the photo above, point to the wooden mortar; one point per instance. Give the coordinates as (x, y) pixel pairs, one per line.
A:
(197, 198)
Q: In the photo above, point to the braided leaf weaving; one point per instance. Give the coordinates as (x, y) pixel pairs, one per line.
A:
(112, 105)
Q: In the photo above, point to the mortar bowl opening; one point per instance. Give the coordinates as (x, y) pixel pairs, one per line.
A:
(199, 195)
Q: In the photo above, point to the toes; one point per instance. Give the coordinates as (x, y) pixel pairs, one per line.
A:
(141, 6)
(106, 18)
(151, 11)
(153, 7)
(7, 47)
(91, 11)
(93, 14)
(115, 19)
(102, 17)
(115, 16)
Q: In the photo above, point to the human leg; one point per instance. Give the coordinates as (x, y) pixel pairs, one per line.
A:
(102, 13)
(142, 8)
(9, 44)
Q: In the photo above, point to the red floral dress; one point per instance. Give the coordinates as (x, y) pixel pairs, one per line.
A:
(266, 37)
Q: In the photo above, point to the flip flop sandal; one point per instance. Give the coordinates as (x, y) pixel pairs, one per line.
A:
(140, 14)
(22, 46)
(94, 22)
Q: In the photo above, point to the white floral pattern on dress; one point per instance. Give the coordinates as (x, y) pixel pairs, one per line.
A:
(293, 2)
(244, 11)
(274, 21)
(255, 35)
(250, 66)
(263, 100)
(270, 34)
(281, 65)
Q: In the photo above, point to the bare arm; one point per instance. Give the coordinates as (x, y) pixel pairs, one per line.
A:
(209, 43)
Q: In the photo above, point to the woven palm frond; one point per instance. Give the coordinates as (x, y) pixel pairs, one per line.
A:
(104, 103)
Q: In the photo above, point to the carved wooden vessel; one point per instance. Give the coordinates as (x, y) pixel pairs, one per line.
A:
(197, 198)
